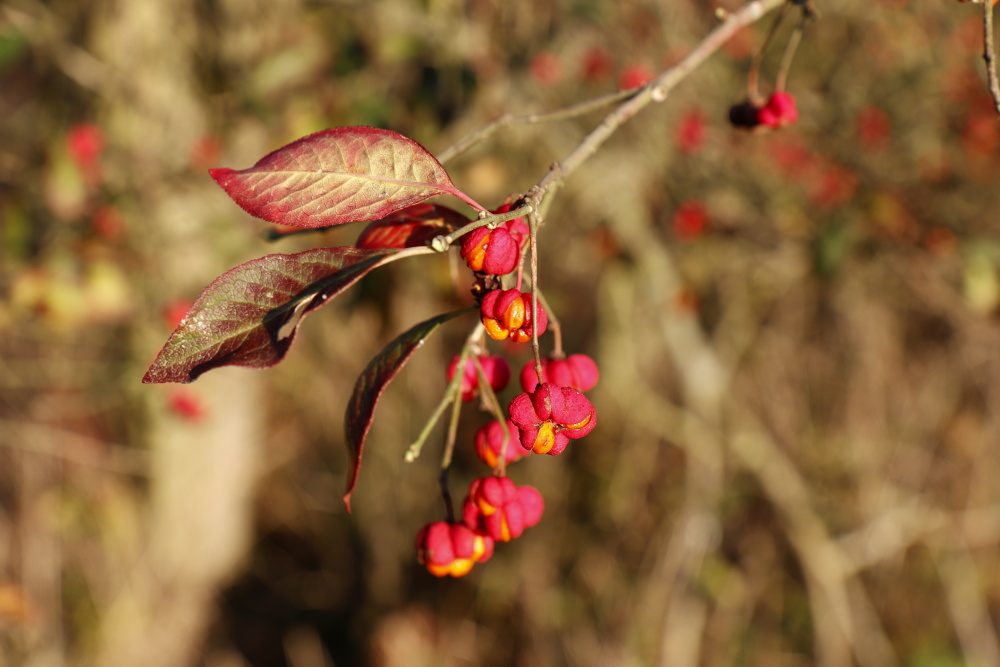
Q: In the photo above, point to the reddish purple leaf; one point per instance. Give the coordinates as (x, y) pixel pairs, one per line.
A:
(412, 226)
(336, 176)
(373, 380)
(249, 315)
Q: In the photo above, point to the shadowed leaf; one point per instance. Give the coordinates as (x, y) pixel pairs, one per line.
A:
(412, 226)
(336, 176)
(373, 380)
(249, 315)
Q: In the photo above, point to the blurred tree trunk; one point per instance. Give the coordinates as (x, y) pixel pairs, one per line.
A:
(202, 472)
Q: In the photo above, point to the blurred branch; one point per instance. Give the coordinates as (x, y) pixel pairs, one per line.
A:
(507, 120)
(73, 447)
(989, 53)
(43, 29)
(656, 90)
(968, 606)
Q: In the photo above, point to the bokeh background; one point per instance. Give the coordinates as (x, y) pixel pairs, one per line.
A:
(798, 335)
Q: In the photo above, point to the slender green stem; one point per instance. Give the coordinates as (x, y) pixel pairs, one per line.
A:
(413, 451)
(450, 394)
(456, 410)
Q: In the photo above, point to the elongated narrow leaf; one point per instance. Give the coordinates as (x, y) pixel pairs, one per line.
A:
(249, 315)
(340, 175)
(373, 380)
(411, 226)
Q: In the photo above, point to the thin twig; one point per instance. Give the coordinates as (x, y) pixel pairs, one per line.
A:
(786, 59)
(655, 91)
(489, 397)
(505, 120)
(753, 78)
(533, 224)
(442, 243)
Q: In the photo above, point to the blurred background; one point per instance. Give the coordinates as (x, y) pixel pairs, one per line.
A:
(797, 332)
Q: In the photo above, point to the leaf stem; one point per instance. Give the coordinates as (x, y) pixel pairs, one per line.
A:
(413, 451)
(456, 410)
(450, 394)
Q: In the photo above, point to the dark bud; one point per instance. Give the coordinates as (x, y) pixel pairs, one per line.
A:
(744, 115)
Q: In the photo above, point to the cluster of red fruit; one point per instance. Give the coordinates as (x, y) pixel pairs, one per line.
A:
(778, 111)
(551, 411)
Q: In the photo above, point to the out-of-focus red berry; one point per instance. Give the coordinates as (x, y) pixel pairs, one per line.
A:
(577, 370)
(451, 549)
(491, 443)
(979, 137)
(186, 404)
(205, 152)
(546, 68)
(496, 370)
(779, 111)
(691, 132)
(175, 311)
(507, 314)
(597, 64)
(690, 220)
(874, 128)
(85, 142)
(108, 222)
(549, 417)
(633, 76)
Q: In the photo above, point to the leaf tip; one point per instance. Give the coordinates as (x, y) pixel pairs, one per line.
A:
(347, 501)
(220, 173)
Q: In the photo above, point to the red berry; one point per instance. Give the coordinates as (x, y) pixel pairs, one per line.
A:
(85, 142)
(451, 548)
(577, 370)
(490, 443)
(498, 509)
(633, 76)
(496, 370)
(779, 111)
(690, 220)
(507, 314)
(550, 416)
(597, 64)
(546, 68)
(493, 251)
(691, 132)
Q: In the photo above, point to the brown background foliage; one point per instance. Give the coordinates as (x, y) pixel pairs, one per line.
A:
(797, 450)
